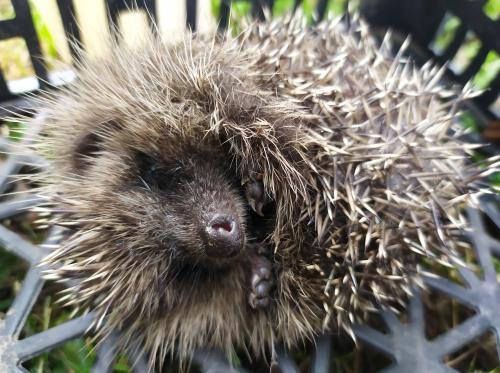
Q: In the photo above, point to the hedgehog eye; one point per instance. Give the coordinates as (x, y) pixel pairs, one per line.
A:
(162, 177)
(148, 170)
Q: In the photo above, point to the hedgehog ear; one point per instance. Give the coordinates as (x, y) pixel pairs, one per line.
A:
(89, 144)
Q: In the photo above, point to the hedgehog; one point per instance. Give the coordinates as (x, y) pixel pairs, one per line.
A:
(235, 192)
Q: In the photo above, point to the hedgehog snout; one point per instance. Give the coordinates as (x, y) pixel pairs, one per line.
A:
(224, 238)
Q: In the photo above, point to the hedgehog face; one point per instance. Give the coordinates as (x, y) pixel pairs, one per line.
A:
(200, 211)
(176, 196)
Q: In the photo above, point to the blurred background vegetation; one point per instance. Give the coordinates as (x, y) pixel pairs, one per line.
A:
(78, 355)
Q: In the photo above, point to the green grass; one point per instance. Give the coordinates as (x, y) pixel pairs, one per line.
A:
(12, 271)
(74, 356)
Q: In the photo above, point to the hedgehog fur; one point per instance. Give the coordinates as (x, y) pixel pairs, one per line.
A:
(357, 150)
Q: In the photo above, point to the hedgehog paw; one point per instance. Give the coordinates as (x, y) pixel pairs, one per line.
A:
(261, 281)
(255, 194)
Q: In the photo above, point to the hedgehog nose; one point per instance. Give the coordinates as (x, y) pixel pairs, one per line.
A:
(224, 238)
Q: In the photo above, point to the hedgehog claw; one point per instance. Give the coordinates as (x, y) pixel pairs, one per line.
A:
(261, 282)
(254, 192)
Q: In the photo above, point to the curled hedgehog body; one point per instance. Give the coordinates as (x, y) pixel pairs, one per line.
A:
(181, 173)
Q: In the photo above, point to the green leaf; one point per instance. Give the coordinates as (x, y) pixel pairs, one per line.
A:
(448, 32)
(468, 121)
(309, 9)
(46, 40)
(337, 7)
(488, 71)
(215, 8)
(281, 7)
(16, 130)
(240, 9)
(121, 364)
(495, 180)
(492, 9)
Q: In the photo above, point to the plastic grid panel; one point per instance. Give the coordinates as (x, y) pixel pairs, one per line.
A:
(406, 343)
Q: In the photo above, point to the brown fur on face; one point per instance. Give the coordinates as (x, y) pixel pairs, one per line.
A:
(353, 149)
